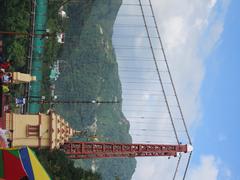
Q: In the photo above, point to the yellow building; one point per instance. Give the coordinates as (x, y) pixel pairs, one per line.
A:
(18, 78)
(41, 130)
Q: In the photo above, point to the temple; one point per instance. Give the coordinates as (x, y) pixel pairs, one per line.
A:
(18, 78)
(34, 130)
(40, 130)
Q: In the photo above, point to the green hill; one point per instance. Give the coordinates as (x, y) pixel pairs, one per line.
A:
(89, 71)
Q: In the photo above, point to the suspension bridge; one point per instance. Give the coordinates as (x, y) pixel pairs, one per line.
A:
(149, 99)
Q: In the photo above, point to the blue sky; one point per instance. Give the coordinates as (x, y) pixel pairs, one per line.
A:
(219, 130)
(200, 41)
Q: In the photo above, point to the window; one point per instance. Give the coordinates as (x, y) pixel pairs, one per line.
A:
(32, 130)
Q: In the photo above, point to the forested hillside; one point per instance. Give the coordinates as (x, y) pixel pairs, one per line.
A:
(61, 168)
(15, 18)
(89, 71)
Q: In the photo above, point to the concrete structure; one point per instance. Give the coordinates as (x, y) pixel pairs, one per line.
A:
(18, 78)
(40, 130)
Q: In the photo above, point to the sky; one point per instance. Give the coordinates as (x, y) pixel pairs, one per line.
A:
(206, 33)
(220, 101)
(200, 38)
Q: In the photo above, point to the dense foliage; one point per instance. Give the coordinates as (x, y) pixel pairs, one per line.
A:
(14, 15)
(15, 18)
(89, 71)
(61, 168)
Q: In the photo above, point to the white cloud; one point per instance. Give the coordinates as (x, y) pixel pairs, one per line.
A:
(215, 33)
(212, 3)
(210, 168)
(207, 169)
(190, 30)
(154, 171)
(177, 28)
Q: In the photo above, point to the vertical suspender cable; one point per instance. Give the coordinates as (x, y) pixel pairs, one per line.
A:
(165, 58)
(177, 167)
(185, 173)
(158, 72)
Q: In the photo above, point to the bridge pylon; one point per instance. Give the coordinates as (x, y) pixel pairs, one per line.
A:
(88, 150)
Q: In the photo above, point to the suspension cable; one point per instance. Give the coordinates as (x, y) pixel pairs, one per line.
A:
(158, 73)
(165, 58)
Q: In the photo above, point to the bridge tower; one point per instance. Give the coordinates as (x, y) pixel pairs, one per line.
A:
(88, 150)
(48, 131)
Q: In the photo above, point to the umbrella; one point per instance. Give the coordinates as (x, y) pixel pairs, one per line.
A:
(10, 165)
(20, 164)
